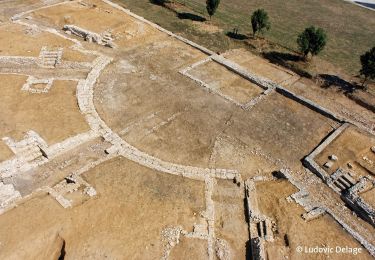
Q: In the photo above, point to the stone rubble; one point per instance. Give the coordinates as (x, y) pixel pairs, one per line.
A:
(105, 39)
(222, 250)
(31, 81)
(170, 238)
(8, 195)
(333, 157)
(328, 164)
(71, 183)
(33, 152)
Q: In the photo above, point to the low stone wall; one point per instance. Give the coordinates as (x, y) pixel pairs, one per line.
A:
(353, 199)
(309, 161)
(310, 104)
(7, 196)
(236, 69)
(370, 247)
(261, 82)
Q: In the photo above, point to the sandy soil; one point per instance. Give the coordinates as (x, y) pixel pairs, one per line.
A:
(227, 82)
(280, 127)
(10, 8)
(190, 248)
(54, 115)
(231, 153)
(130, 226)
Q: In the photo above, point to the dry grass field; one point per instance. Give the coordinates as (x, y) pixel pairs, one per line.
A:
(348, 26)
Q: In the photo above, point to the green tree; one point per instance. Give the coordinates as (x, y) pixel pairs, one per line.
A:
(312, 40)
(211, 6)
(368, 65)
(260, 21)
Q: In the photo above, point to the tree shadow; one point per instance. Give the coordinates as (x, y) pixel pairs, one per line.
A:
(156, 2)
(159, 2)
(282, 56)
(237, 36)
(192, 17)
(329, 81)
(283, 59)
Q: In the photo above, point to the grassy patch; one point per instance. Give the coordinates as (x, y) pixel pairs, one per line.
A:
(350, 28)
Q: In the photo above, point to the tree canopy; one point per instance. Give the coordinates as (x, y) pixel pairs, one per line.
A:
(368, 64)
(260, 21)
(312, 40)
(211, 6)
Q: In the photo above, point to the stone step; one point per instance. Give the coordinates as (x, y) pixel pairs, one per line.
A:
(53, 56)
(50, 58)
(339, 185)
(349, 179)
(51, 62)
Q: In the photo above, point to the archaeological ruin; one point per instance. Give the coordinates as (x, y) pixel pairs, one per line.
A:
(122, 140)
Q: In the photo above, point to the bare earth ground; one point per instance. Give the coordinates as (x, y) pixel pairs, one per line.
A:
(330, 98)
(29, 42)
(129, 196)
(350, 147)
(5, 152)
(326, 230)
(89, 193)
(226, 82)
(23, 111)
